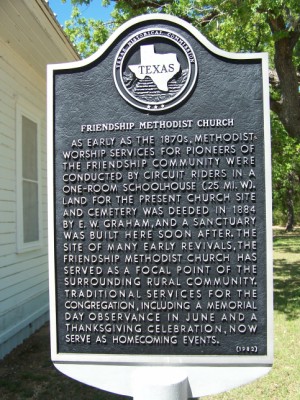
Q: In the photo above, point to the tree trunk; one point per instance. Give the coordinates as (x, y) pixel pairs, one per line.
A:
(290, 212)
(288, 108)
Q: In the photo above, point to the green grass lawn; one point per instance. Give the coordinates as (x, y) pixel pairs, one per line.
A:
(283, 382)
(27, 373)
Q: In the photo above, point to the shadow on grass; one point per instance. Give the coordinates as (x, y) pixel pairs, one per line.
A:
(287, 244)
(287, 288)
(28, 373)
(287, 278)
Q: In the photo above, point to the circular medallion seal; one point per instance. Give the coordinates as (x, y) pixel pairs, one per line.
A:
(155, 69)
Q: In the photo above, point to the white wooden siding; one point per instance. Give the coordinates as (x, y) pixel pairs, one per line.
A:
(23, 276)
(31, 32)
(30, 38)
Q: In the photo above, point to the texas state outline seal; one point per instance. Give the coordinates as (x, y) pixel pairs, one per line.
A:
(155, 69)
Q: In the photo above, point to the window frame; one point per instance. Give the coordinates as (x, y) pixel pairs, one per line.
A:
(31, 113)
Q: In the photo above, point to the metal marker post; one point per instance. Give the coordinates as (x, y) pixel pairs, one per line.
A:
(160, 384)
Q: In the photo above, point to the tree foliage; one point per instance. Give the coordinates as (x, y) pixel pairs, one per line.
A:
(86, 34)
(235, 26)
(285, 175)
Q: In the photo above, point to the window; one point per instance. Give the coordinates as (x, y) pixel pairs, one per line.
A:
(28, 181)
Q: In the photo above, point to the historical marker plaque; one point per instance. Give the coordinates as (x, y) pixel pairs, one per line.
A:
(161, 211)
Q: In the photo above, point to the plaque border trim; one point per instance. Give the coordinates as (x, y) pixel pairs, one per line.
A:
(59, 359)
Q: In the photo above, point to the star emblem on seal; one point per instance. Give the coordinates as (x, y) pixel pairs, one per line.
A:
(155, 70)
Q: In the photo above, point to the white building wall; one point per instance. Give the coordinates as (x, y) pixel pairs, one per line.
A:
(23, 275)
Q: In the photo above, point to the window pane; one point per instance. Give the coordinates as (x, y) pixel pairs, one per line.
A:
(29, 149)
(30, 212)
